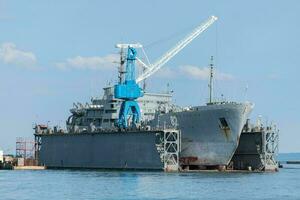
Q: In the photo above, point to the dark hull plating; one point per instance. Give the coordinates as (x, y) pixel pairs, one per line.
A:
(115, 150)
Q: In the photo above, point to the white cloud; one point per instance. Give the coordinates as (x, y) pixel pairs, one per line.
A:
(195, 72)
(191, 72)
(93, 62)
(166, 72)
(10, 54)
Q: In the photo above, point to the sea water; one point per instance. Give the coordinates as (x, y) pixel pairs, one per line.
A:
(95, 184)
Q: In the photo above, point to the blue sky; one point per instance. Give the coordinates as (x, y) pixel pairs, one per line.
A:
(54, 53)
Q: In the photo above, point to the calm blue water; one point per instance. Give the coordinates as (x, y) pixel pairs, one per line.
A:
(84, 184)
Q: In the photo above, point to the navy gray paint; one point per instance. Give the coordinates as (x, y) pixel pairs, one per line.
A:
(205, 140)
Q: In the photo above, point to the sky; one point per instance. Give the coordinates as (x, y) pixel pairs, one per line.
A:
(54, 53)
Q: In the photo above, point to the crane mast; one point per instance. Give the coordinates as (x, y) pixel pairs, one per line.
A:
(178, 47)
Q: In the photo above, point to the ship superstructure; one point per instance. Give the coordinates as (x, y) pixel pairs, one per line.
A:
(103, 113)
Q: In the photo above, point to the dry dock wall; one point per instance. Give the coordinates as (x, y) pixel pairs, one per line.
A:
(117, 150)
(255, 153)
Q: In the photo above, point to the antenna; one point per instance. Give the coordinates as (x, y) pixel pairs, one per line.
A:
(121, 67)
(144, 81)
(144, 69)
(211, 76)
(246, 91)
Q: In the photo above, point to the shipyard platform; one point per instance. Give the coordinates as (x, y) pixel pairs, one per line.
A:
(148, 150)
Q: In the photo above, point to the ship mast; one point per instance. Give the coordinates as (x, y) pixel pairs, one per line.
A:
(211, 76)
(121, 67)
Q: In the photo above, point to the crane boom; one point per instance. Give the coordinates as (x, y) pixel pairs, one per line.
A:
(178, 47)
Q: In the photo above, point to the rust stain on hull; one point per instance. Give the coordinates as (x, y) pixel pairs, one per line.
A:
(187, 160)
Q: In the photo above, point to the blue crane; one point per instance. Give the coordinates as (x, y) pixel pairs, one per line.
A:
(128, 90)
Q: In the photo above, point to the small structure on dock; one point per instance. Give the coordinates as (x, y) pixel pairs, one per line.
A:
(257, 149)
(25, 152)
(169, 147)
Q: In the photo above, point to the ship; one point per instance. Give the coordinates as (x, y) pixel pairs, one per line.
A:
(94, 138)
(210, 133)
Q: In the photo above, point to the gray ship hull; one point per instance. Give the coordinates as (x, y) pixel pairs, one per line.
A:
(210, 134)
(114, 150)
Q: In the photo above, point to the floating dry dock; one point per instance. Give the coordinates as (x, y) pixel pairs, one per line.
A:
(140, 150)
(148, 150)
